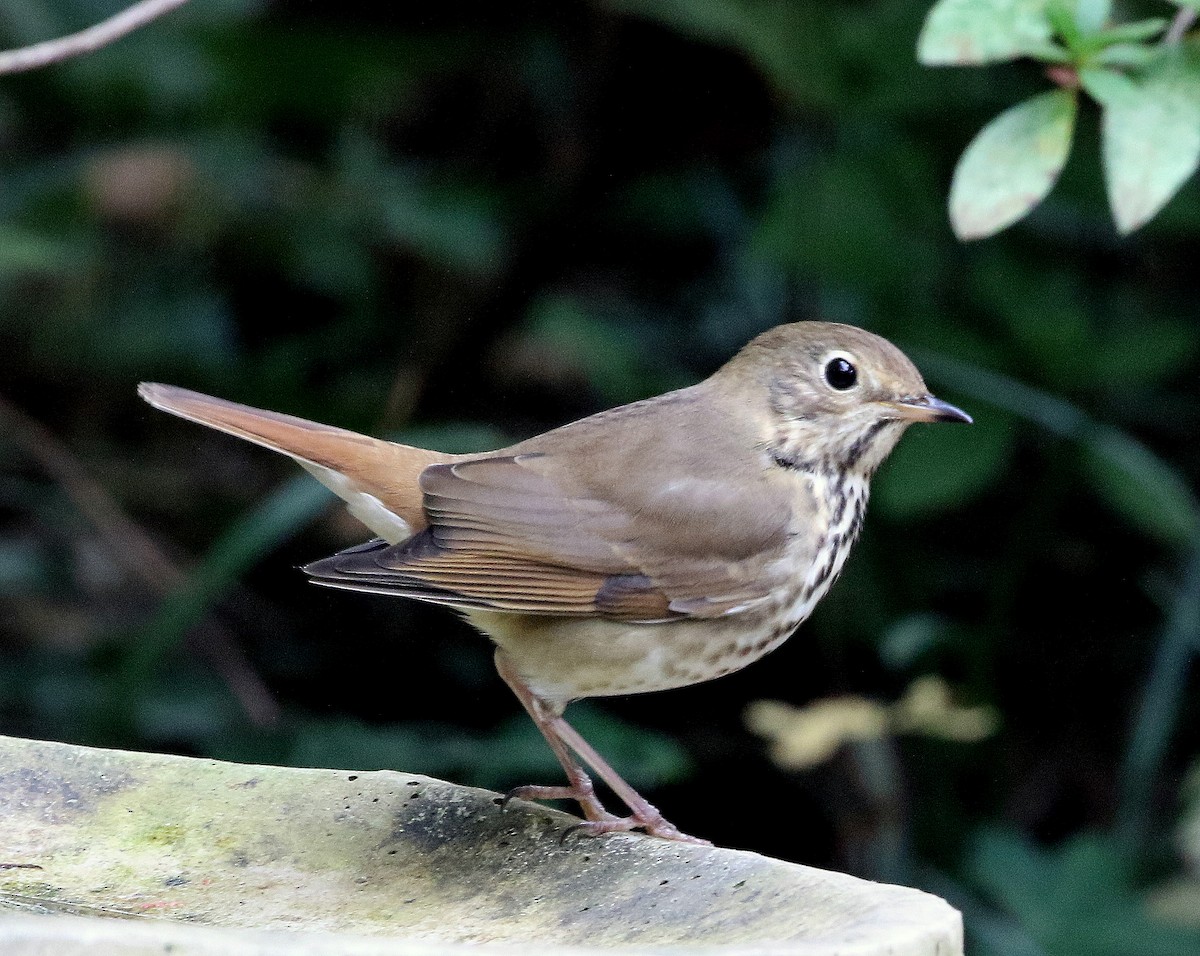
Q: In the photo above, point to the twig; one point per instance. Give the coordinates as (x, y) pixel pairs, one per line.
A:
(85, 41)
(1184, 18)
(137, 552)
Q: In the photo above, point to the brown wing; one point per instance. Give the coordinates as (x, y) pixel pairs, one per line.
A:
(590, 527)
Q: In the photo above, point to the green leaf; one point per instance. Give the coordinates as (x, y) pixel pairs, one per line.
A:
(1151, 140)
(1044, 308)
(1061, 14)
(967, 32)
(1091, 15)
(457, 224)
(1136, 56)
(1016, 873)
(458, 438)
(1163, 701)
(1075, 900)
(1131, 32)
(1147, 492)
(1012, 164)
(1106, 86)
(848, 218)
(906, 641)
(569, 334)
(1133, 356)
(218, 13)
(24, 567)
(23, 251)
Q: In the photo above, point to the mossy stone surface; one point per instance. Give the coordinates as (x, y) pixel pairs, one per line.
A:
(250, 859)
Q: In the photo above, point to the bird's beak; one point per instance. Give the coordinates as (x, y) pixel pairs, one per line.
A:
(926, 408)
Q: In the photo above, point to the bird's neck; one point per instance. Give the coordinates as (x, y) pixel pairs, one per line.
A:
(853, 450)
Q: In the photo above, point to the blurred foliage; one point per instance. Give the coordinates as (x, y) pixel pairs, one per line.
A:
(400, 219)
(802, 737)
(1076, 899)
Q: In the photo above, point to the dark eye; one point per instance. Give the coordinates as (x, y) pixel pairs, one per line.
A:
(840, 374)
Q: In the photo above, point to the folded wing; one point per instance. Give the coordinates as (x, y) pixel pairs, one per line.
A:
(522, 533)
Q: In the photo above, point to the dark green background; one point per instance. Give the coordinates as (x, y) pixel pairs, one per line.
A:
(463, 223)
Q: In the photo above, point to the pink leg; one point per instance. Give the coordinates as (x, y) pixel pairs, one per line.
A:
(563, 738)
(580, 789)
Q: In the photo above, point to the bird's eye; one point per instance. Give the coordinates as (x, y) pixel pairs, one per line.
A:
(840, 374)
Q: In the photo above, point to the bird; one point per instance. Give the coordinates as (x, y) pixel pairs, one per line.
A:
(651, 546)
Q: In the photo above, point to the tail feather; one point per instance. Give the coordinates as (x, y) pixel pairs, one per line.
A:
(377, 479)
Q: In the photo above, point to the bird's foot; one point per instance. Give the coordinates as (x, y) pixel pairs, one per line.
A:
(655, 826)
(588, 802)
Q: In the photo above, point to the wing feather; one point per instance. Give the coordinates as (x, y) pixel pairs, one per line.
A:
(580, 526)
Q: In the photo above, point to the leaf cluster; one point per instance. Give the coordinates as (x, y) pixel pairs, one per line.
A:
(1145, 81)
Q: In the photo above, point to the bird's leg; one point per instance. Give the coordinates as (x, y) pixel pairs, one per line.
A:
(645, 816)
(563, 739)
(580, 789)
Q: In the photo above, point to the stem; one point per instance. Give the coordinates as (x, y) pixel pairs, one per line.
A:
(85, 41)
(1183, 21)
(1064, 76)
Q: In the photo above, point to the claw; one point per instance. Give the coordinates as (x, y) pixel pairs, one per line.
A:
(592, 808)
(659, 828)
(537, 793)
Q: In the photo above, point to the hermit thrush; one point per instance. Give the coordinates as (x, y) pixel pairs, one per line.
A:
(655, 545)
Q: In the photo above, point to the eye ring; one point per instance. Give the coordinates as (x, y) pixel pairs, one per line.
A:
(841, 374)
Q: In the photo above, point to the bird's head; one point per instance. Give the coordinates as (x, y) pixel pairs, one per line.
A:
(836, 396)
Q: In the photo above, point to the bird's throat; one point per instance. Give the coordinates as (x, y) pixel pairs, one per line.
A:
(855, 448)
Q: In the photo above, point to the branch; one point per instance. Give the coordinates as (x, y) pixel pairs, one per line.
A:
(85, 41)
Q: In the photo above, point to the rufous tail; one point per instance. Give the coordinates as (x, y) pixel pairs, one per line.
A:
(377, 479)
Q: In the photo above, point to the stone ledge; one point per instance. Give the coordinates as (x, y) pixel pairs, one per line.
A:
(137, 852)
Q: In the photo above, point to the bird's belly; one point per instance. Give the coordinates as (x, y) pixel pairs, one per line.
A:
(564, 659)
